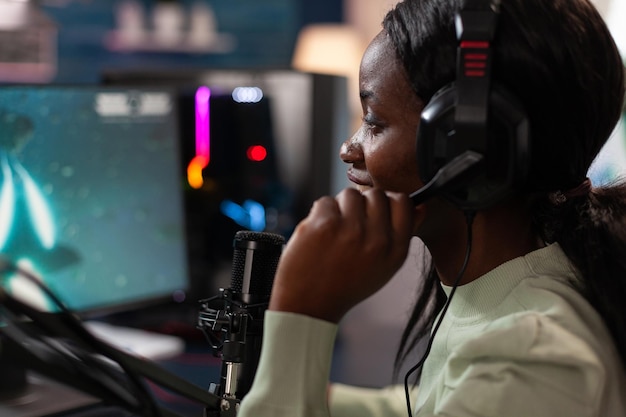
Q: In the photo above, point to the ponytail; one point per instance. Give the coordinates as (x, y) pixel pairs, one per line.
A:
(591, 230)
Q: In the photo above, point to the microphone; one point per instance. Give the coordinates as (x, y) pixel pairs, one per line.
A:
(461, 169)
(236, 329)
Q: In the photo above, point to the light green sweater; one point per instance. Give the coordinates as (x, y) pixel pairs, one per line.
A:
(519, 341)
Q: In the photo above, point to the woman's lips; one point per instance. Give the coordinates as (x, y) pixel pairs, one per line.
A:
(362, 183)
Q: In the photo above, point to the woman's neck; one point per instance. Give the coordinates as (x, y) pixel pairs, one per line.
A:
(499, 234)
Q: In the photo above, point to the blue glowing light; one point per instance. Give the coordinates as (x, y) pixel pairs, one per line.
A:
(250, 215)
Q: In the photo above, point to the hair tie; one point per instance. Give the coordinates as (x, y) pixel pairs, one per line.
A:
(559, 197)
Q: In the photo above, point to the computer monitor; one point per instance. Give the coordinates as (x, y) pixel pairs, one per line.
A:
(91, 195)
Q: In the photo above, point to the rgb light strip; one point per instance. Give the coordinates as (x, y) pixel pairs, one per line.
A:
(203, 138)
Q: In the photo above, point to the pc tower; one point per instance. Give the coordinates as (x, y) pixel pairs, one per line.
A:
(259, 146)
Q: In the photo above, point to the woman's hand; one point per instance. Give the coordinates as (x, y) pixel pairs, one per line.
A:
(345, 250)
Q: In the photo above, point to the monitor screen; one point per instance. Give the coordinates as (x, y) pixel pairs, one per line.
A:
(91, 195)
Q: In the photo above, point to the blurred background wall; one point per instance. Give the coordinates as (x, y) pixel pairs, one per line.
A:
(94, 35)
(89, 36)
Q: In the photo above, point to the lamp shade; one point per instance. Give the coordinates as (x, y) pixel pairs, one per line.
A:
(328, 49)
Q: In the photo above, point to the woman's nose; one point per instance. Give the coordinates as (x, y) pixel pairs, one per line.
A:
(350, 151)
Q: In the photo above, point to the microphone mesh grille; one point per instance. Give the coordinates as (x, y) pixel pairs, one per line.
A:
(265, 249)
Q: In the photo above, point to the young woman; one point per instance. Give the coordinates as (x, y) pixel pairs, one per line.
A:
(535, 324)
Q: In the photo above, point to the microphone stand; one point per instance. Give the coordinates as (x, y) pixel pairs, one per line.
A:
(234, 332)
(240, 322)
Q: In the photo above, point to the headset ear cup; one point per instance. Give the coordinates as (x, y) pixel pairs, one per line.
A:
(436, 123)
(509, 138)
(506, 150)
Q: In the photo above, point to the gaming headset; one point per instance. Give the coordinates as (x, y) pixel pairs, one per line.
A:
(473, 139)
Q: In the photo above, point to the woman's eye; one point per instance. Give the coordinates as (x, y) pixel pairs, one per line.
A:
(371, 122)
(368, 120)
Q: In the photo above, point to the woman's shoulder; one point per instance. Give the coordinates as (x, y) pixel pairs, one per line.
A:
(530, 335)
(538, 362)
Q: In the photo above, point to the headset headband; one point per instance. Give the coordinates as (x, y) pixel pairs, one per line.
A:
(473, 138)
(475, 29)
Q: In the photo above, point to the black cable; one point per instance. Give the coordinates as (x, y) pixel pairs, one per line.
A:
(71, 327)
(469, 217)
(53, 359)
(147, 406)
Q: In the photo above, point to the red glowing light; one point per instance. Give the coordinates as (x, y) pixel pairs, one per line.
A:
(256, 153)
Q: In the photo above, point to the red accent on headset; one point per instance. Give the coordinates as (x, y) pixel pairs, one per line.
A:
(475, 64)
(474, 73)
(474, 44)
(476, 57)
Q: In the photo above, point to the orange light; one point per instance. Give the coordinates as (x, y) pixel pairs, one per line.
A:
(194, 171)
(256, 153)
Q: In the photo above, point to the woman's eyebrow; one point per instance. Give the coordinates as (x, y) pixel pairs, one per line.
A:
(366, 94)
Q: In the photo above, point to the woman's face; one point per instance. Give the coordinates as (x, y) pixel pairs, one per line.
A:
(381, 153)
